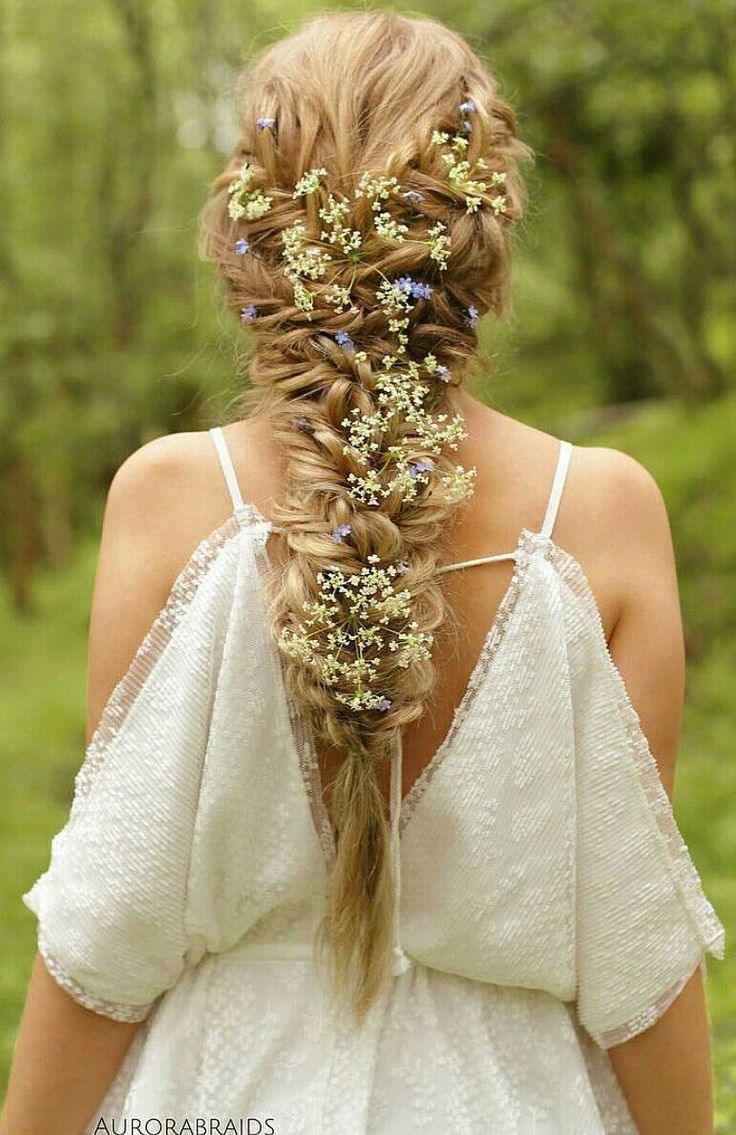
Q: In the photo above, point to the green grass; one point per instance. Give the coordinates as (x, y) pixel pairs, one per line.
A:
(42, 680)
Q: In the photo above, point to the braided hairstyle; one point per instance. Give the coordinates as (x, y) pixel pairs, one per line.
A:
(361, 228)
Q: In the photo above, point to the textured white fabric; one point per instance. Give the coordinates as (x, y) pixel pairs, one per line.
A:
(549, 907)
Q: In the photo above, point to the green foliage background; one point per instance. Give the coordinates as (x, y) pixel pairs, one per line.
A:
(115, 115)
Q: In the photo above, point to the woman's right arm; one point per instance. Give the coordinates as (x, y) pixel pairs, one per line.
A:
(665, 1072)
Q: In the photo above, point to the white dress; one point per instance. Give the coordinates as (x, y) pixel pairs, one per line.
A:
(548, 905)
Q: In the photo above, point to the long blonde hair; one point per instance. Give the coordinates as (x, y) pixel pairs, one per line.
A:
(350, 93)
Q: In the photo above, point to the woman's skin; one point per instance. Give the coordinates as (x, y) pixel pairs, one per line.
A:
(170, 494)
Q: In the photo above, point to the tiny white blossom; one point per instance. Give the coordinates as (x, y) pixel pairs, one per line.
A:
(309, 182)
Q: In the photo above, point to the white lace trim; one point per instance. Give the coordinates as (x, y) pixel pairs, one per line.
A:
(645, 1018)
(150, 650)
(708, 926)
(112, 1009)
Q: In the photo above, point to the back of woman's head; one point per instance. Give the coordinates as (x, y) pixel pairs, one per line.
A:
(361, 229)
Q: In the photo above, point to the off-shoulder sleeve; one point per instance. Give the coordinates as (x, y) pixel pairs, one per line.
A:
(643, 921)
(111, 907)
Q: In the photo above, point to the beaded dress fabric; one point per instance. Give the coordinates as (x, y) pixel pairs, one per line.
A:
(548, 907)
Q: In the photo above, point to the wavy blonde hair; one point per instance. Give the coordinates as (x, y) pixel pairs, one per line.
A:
(355, 93)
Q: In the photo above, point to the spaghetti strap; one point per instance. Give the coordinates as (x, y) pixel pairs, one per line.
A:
(473, 563)
(226, 461)
(558, 482)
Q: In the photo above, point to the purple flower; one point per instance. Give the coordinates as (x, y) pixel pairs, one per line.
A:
(301, 424)
(420, 467)
(402, 567)
(248, 314)
(467, 107)
(383, 704)
(467, 127)
(442, 372)
(344, 340)
(414, 287)
(340, 531)
(414, 196)
(265, 123)
(241, 246)
(471, 316)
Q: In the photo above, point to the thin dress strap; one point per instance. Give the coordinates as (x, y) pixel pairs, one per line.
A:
(226, 461)
(558, 483)
(555, 495)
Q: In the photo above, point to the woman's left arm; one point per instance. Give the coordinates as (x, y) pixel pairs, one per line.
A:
(64, 1062)
(66, 1056)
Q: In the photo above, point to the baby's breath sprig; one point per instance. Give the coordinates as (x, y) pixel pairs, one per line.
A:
(309, 182)
(356, 616)
(463, 174)
(400, 392)
(244, 201)
(303, 259)
(378, 190)
(335, 214)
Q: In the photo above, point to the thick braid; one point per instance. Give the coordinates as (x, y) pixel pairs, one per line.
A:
(361, 257)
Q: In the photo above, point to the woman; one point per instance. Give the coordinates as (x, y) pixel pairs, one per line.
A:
(347, 853)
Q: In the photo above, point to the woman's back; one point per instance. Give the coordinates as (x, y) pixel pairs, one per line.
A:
(516, 466)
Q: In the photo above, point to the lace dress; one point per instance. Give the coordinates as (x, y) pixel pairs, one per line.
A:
(548, 907)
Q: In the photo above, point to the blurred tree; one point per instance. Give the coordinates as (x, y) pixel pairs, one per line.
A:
(114, 117)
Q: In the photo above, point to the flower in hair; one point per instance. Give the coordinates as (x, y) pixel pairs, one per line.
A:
(376, 190)
(339, 296)
(302, 259)
(420, 467)
(460, 172)
(242, 246)
(265, 123)
(416, 288)
(344, 340)
(340, 532)
(335, 214)
(414, 196)
(248, 314)
(467, 107)
(309, 182)
(244, 201)
(301, 423)
(471, 316)
(345, 628)
(439, 245)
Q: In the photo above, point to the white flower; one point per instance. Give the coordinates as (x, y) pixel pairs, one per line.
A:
(309, 182)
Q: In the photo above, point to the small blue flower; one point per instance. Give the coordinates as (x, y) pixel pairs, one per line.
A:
(265, 123)
(414, 196)
(383, 704)
(340, 531)
(442, 372)
(301, 424)
(344, 340)
(467, 107)
(405, 284)
(420, 290)
(420, 467)
(467, 127)
(402, 567)
(248, 314)
(471, 316)
(241, 246)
